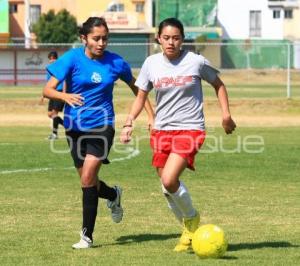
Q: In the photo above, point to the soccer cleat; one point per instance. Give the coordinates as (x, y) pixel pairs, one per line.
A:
(84, 242)
(190, 225)
(52, 136)
(115, 206)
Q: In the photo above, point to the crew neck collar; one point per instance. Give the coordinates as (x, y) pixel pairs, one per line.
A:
(176, 60)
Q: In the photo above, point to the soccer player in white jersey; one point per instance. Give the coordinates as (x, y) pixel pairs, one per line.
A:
(179, 129)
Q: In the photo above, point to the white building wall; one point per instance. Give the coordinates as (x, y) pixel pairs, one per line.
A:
(30, 66)
(234, 18)
(272, 28)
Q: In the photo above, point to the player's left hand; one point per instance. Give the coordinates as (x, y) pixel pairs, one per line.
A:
(125, 136)
(228, 124)
(150, 123)
(41, 101)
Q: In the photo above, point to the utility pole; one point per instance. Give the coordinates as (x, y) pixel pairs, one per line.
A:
(27, 24)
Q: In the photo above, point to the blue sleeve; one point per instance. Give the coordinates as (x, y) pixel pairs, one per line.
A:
(126, 74)
(62, 66)
(60, 86)
(48, 76)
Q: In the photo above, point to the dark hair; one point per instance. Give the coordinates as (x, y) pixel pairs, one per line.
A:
(52, 54)
(174, 22)
(92, 22)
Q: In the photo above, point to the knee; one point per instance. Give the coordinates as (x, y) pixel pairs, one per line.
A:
(170, 185)
(52, 114)
(87, 180)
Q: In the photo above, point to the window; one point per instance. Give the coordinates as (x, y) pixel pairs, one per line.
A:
(255, 23)
(139, 7)
(288, 13)
(13, 8)
(115, 7)
(276, 13)
(34, 13)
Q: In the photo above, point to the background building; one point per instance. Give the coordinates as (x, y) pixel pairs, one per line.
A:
(4, 22)
(259, 31)
(200, 22)
(130, 21)
(198, 17)
(121, 15)
(259, 19)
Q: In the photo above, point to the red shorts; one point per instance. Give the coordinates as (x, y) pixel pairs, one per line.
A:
(185, 143)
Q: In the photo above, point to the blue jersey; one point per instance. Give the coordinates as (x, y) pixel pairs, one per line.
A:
(60, 86)
(94, 80)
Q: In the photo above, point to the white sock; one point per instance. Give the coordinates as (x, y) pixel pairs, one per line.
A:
(183, 201)
(172, 205)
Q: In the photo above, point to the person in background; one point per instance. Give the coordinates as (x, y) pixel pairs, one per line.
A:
(54, 106)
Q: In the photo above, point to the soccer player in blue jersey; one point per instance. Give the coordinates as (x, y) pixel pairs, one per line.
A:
(54, 106)
(90, 73)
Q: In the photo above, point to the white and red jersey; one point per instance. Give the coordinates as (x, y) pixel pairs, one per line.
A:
(178, 90)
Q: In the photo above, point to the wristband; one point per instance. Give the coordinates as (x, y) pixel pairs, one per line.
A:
(127, 126)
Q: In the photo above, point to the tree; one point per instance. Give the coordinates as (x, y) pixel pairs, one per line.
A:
(56, 28)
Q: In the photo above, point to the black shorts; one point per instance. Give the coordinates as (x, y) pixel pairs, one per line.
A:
(55, 105)
(97, 142)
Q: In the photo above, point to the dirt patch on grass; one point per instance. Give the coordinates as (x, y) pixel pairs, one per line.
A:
(24, 120)
(259, 76)
(246, 112)
(41, 120)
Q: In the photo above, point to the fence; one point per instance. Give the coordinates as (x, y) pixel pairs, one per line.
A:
(246, 63)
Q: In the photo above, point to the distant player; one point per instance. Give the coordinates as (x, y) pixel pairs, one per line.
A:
(54, 106)
(90, 73)
(179, 130)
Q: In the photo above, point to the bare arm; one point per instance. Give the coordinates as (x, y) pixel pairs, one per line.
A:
(136, 109)
(221, 92)
(148, 106)
(51, 93)
(63, 90)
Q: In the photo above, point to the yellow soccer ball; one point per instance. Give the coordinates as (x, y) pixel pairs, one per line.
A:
(209, 241)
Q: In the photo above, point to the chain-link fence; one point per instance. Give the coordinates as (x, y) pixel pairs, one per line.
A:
(256, 69)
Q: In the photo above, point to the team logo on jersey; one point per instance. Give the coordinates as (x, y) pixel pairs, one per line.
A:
(177, 81)
(96, 77)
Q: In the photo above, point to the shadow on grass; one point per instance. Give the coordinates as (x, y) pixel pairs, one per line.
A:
(228, 258)
(132, 239)
(144, 237)
(225, 257)
(279, 244)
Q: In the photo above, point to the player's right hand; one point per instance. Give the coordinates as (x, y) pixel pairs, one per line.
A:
(41, 101)
(125, 136)
(228, 125)
(73, 99)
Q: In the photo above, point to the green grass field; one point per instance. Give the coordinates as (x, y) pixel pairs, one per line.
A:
(254, 197)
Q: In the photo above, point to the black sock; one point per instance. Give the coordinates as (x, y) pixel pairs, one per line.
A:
(89, 209)
(56, 121)
(106, 192)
